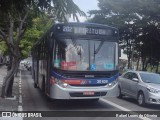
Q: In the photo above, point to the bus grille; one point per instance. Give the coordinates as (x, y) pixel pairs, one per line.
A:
(88, 85)
(79, 94)
(68, 75)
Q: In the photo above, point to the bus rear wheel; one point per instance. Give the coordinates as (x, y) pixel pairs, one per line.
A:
(35, 85)
(43, 84)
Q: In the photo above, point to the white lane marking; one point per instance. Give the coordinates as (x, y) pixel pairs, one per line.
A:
(123, 108)
(20, 75)
(115, 105)
(20, 98)
(20, 108)
(11, 118)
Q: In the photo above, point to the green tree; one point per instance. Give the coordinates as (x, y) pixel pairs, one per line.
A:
(135, 19)
(39, 26)
(15, 19)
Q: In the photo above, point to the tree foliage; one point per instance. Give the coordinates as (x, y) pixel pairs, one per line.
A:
(139, 24)
(39, 26)
(54, 8)
(18, 27)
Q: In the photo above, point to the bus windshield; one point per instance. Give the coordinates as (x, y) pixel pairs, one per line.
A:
(85, 55)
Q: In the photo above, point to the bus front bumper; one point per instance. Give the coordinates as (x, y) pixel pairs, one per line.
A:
(58, 92)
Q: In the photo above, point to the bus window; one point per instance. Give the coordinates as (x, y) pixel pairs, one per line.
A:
(103, 55)
(85, 55)
(58, 55)
(77, 51)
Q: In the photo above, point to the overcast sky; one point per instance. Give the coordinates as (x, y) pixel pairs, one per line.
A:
(85, 5)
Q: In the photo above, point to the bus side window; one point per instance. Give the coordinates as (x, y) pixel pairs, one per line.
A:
(59, 55)
(56, 60)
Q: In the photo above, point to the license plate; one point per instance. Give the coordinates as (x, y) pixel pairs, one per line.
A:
(88, 93)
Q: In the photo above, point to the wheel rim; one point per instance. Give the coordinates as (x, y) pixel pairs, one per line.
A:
(140, 99)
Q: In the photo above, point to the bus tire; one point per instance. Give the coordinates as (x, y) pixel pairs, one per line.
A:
(90, 100)
(43, 84)
(35, 85)
(94, 100)
(49, 99)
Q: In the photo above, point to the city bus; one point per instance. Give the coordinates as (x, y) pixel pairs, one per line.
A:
(77, 61)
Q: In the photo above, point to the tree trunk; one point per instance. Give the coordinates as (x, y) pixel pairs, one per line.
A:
(9, 79)
(146, 66)
(152, 67)
(129, 58)
(129, 62)
(138, 63)
(9, 91)
(143, 63)
(157, 67)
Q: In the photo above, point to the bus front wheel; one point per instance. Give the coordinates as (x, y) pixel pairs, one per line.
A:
(94, 100)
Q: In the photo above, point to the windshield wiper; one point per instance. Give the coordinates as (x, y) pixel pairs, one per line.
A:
(97, 50)
(99, 47)
(94, 53)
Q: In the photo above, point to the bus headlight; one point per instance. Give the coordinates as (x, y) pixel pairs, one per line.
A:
(60, 83)
(65, 85)
(109, 85)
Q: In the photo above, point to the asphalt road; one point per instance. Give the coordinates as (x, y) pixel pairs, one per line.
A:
(34, 97)
(34, 100)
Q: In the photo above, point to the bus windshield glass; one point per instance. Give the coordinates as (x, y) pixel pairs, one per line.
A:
(85, 55)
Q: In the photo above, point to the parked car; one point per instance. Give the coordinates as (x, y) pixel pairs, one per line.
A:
(26, 64)
(143, 86)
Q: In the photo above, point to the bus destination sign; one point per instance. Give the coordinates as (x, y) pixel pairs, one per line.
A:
(86, 30)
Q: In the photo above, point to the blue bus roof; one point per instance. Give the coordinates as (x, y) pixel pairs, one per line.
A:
(86, 24)
(60, 32)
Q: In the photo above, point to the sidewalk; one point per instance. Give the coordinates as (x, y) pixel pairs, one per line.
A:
(9, 104)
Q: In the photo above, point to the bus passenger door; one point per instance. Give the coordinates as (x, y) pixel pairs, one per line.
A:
(48, 74)
(35, 72)
(40, 74)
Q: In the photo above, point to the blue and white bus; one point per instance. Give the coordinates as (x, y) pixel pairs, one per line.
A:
(77, 61)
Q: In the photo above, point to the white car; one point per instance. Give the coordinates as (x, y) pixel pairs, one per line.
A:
(143, 86)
